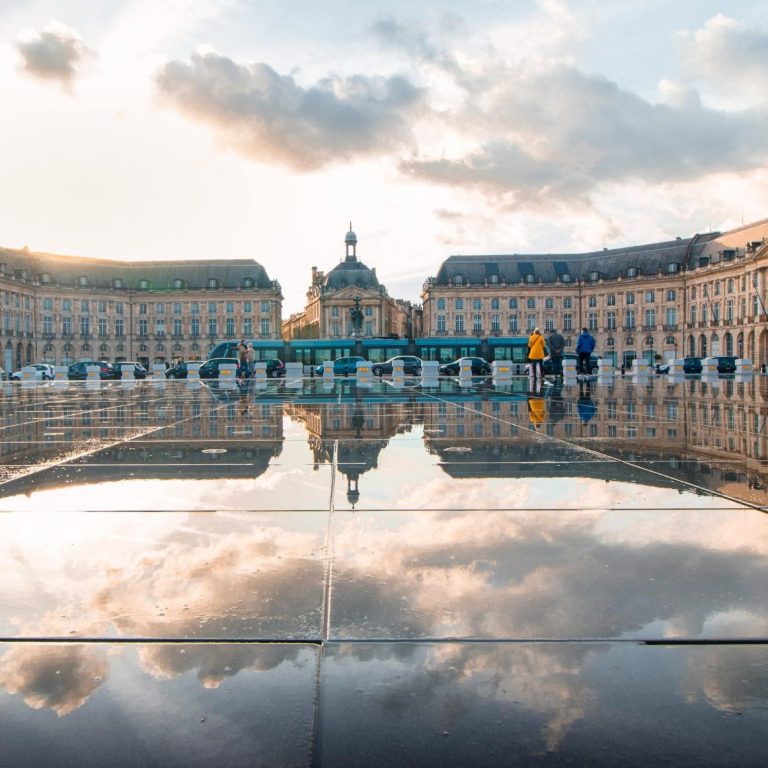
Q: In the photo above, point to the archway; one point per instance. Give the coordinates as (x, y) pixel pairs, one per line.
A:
(740, 345)
(30, 355)
(728, 344)
(702, 345)
(19, 353)
(691, 346)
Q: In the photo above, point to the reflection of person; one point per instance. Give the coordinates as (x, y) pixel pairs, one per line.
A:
(241, 352)
(250, 359)
(584, 348)
(556, 406)
(536, 353)
(585, 406)
(537, 410)
(556, 344)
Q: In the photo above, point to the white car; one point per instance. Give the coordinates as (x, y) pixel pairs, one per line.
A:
(48, 374)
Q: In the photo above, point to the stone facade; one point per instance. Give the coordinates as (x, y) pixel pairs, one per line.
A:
(60, 309)
(332, 296)
(701, 295)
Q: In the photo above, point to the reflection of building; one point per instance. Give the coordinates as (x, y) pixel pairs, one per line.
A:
(59, 309)
(357, 430)
(332, 297)
(700, 295)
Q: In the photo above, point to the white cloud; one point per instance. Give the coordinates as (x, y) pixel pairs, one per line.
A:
(55, 52)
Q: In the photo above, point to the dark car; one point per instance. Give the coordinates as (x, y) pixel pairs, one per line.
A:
(178, 371)
(46, 371)
(275, 368)
(726, 364)
(343, 366)
(210, 368)
(480, 366)
(77, 371)
(411, 365)
(691, 365)
(139, 371)
(549, 368)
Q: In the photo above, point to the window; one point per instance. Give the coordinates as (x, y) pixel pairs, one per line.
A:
(477, 323)
(650, 297)
(142, 309)
(45, 278)
(160, 328)
(458, 304)
(66, 325)
(47, 326)
(531, 304)
(549, 325)
(459, 324)
(717, 287)
(213, 282)
(230, 307)
(102, 307)
(334, 311)
(494, 303)
(143, 328)
(513, 323)
(549, 303)
(248, 327)
(247, 306)
(629, 298)
(495, 324)
(650, 318)
(178, 283)
(530, 323)
(66, 305)
(117, 283)
(610, 300)
(730, 285)
(633, 272)
(568, 322)
(592, 321)
(693, 297)
(178, 328)
(441, 304)
(494, 279)
(670, 316)
(671, 295)
(593, 276)
(458, 279)
(477, 304)
(212, 327)
(48, 305)
(368, 311)
(211, 307)
(195, 308)
(143, 285)
(230, 327)
(592, 301)
(729, 310)
(102, 326)
(629, 319)
(567, 303)
(160, 309)
(247, 282)
(194, 327)
(368, 328)
(119, 328)
(513, 303)
(265, 306)
(441, 323)
(82, 281)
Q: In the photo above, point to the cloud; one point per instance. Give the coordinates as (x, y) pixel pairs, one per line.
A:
(728, 54)
(272, 118)
(54, 53)
(561, 133)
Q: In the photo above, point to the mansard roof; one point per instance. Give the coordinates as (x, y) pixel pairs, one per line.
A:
(609, 263)
(354, 273)
(66, 271)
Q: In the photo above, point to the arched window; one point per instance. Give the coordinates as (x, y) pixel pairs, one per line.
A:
(566, 278)
(494, 279)
(673, 267)
(247, 282)
(82, 281)
(45, 278)
(594, 276)
(633, 272)
(530, 278)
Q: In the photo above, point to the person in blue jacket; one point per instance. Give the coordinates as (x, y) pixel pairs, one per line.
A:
(584, 348)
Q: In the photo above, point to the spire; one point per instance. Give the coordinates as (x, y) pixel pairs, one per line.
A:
(350, 241)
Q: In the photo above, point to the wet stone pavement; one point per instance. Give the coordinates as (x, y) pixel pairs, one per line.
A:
(305, 575)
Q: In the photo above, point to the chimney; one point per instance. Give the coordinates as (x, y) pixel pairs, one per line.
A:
(314, 275)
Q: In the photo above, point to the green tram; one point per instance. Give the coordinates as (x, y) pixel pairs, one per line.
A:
(444, 349)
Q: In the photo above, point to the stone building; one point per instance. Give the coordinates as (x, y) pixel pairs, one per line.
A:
(702, 295)
(333, 295)
(60, 309)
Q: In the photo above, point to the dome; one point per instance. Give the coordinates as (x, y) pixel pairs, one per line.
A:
(351, 237)
(353, 273)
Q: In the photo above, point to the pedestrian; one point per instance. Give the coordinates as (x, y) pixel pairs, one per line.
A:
(250, 359)
(556, 344)
(537, 411)
(584, 348)
(241, 353)
(536, 350)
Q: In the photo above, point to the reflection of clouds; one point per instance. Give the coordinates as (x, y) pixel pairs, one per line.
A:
(59, 677)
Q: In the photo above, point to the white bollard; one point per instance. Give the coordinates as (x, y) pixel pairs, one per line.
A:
(92, 373)
(127, 373)
(327, 372)
(398, 373)
(61, 376)
(430, 373)
(228, 376)
(158, 371)
(639, 369)
(501, 372)
(709, 367)
(465, 370)
(363, 373)
(294, 375)
(260, 370)
(744, 366)
(569, 369)
(193, 371)
(676, 366)
(605, 370)
(30, 375)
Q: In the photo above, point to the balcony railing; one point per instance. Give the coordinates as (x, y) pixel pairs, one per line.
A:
(648, 328)
(630, 327)
(670, 326)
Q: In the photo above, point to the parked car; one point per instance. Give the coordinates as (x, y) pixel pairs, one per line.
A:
(411, 366)
(139, 371)
(210, 368)
(77, 371)
(46, 370)
(691, 365)
(480, 366)
(178, 371)
(726, 364)
(342, 366)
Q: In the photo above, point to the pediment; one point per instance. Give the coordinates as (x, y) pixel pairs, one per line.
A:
(351, 291)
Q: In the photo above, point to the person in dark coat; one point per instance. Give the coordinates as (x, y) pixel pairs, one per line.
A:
(556, 345)
(584, 348)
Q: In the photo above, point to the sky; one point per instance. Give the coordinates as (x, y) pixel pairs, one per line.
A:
(198, 129)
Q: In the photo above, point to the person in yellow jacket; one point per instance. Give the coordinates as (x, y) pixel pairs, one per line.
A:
(536, 352)
(537, 411)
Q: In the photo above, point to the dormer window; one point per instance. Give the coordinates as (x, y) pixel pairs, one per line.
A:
(458, 279)
(673, 267)
(143, 285)
(247, 282)
(45, 278)
(213, 282)
(530, 278)
(494, 279)
(178, 284)
(594, 276)
(82, 281)
(633, 272)
(566, 278)
(117, 283)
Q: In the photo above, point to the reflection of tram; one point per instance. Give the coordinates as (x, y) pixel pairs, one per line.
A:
(441, 348)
